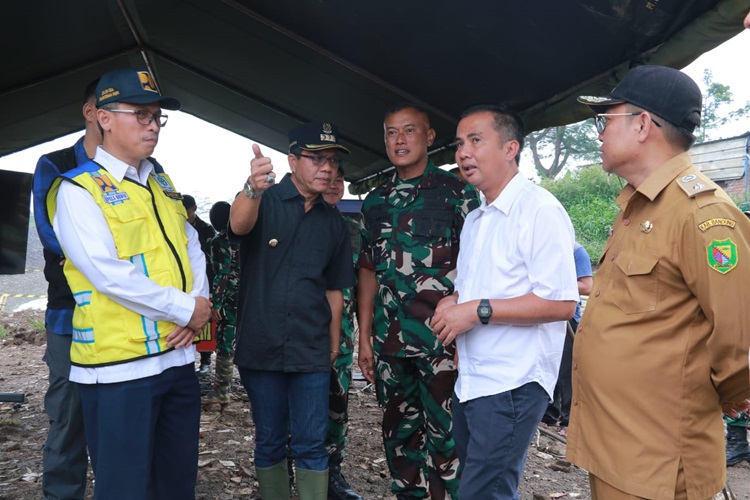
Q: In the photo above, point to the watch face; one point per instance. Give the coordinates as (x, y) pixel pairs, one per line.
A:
(484, 311)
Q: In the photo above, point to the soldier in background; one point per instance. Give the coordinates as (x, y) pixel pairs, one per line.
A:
(225, 289)
(341, 370)
(205, 234)
(410, 241)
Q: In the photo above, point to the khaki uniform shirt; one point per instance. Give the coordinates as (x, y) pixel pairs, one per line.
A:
(664, 338)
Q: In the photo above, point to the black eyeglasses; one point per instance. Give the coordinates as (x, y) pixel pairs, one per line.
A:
(320, 160)
(600, 119)
(144, 117)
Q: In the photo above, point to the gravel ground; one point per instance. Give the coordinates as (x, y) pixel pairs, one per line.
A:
(226, 470)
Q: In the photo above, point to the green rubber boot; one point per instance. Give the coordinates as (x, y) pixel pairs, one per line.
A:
(273, 482)
(312, 484)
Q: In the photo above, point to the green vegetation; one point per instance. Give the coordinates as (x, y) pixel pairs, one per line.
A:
(3, 333)
(10, 422)
(588, 194)
(37, 325)
(557, 149)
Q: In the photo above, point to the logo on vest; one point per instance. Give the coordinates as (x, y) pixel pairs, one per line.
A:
(163, 182)
(110, 194)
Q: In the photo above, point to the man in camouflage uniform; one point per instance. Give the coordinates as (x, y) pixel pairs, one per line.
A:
(225, 289)
(205, 234)
(407, 264)
(341, 370)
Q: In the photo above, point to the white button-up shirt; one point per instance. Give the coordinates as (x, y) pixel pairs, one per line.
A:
(521, 243)
(88, 243)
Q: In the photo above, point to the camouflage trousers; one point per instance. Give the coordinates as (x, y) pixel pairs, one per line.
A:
(742, 420)
(338, 408)
(338, 398)
(415, 394)
(226, 330)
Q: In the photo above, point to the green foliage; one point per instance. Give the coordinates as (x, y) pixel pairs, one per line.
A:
(716, 96)
(588, 194)
(3, 333)
(37, 325)
(10, 422)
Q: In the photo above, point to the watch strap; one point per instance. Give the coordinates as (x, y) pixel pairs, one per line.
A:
(250, 192)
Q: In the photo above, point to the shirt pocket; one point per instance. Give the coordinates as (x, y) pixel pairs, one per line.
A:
(431, 231)
(381, 248)
(132, 231)
(636, 284)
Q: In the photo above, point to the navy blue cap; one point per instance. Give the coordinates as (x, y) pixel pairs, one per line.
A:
(315, 136)
(132, 87)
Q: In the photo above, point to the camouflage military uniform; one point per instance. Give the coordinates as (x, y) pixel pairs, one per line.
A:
(410, 240)
(341, 372)
(225, 290)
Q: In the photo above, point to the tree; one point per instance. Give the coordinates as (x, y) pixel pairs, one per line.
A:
(588, 194)
(555, 148)
(716, 96)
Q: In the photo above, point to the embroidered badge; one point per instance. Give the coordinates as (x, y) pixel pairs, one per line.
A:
(722, 255)
(719, 221)
(173, 195)
(147, 82)
(163, 182)
(110, 194)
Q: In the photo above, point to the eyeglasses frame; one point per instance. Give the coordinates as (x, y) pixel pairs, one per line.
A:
(601, 128)
(334, 161)
(141, 114)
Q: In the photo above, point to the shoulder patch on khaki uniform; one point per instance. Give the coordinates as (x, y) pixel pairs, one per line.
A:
(722, 255)
(693, 184)
(717, 221)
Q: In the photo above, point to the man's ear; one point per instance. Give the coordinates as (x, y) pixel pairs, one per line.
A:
(430, 137)
(292, 159)
(104, 119)
(511, 149)
(89, 112)
(645, 126)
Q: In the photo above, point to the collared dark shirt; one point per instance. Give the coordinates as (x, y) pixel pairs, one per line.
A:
(287, 262)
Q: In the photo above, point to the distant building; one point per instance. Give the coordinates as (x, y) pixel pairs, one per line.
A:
(725, 161)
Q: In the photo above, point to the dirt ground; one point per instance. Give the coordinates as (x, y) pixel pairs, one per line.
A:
(225, 462)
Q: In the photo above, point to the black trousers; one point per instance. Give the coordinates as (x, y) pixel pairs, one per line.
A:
(559, 409)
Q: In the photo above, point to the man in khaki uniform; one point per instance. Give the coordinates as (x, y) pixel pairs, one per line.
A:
(662, 346)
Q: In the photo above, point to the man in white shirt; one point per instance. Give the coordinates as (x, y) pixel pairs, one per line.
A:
(515, 289)
(138, 276)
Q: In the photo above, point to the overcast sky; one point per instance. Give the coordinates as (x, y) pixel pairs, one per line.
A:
(208, 161)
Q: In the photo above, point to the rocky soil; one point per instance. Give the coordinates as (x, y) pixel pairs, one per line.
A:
(226, 437)
(225, 462)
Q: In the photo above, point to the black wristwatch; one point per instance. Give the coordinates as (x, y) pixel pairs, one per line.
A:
(484, 311)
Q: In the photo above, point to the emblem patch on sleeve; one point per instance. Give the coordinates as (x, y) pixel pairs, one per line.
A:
(722, 255)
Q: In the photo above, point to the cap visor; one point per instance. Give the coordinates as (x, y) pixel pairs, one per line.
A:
(598, 103)
(169, 103)
(318, 147)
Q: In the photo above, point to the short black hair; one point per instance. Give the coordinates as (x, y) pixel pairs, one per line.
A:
(90, 90)
(406, 105)
(219, 215)
(506, 121)
(188, 201)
